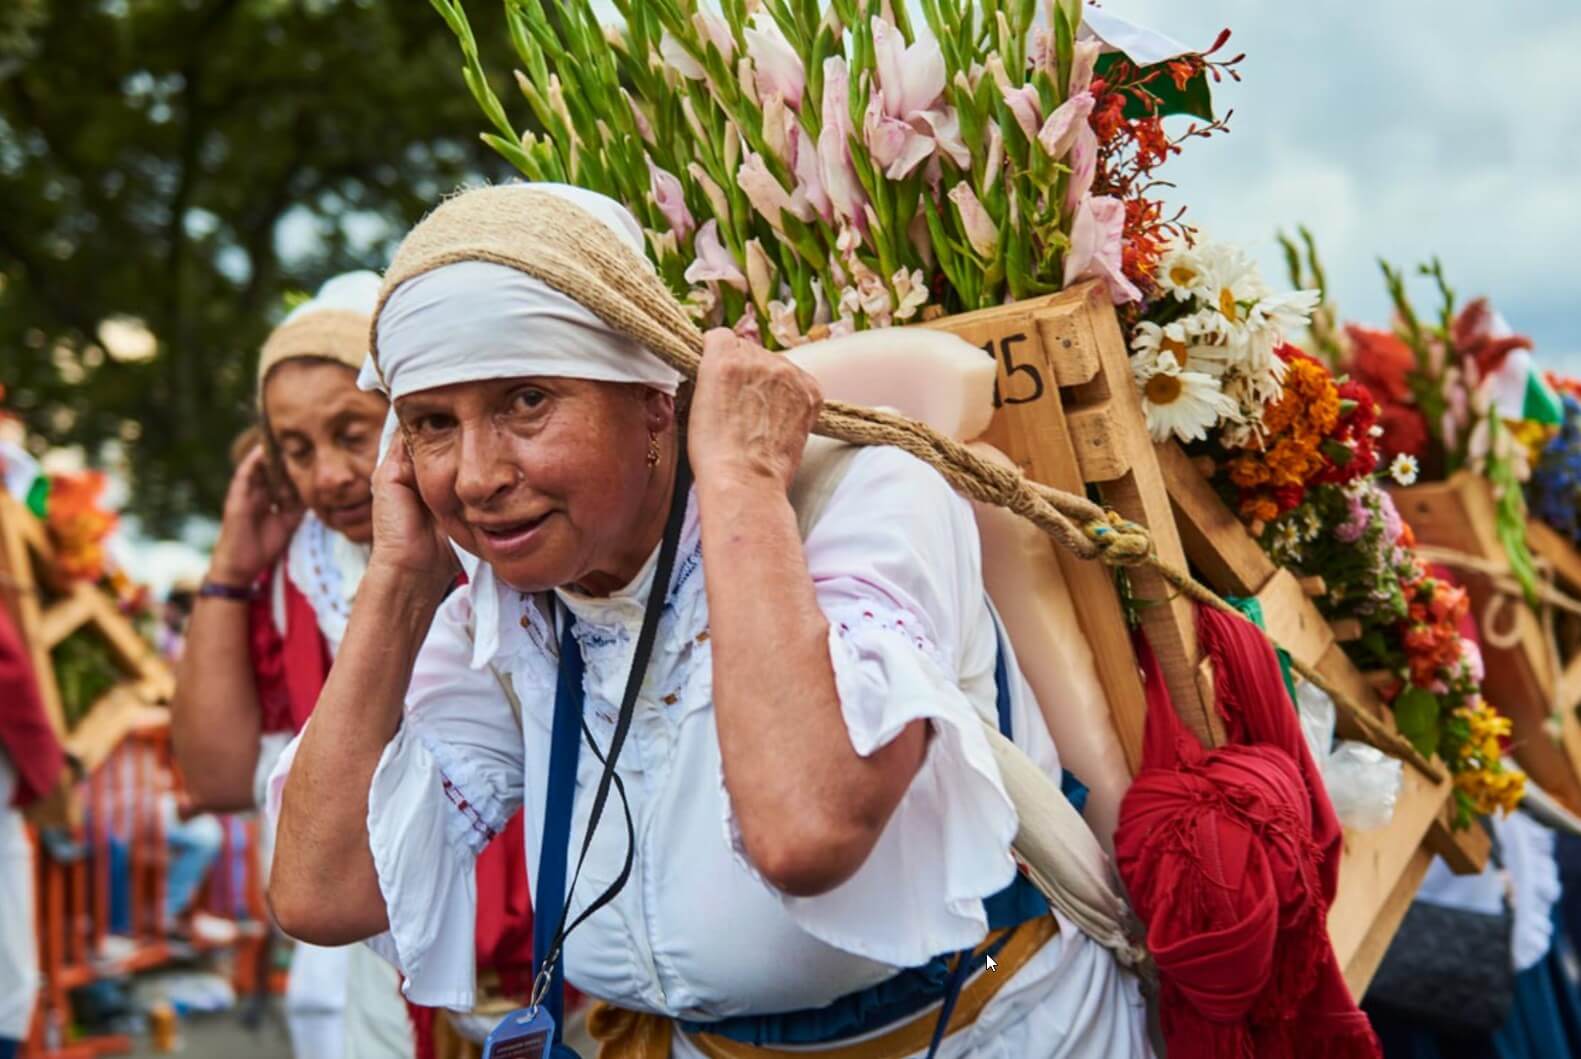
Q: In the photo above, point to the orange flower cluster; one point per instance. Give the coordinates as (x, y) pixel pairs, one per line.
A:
(1272, 473)
(78, 525)
(1433, 645)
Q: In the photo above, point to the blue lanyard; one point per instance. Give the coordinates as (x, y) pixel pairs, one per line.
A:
(565, 743)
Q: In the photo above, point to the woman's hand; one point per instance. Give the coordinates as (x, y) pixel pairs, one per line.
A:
(407, 540)
(751, 413)
(256, 525)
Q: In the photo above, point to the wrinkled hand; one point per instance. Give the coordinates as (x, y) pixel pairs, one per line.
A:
(407, 539)
(751, 413)
(256, 525)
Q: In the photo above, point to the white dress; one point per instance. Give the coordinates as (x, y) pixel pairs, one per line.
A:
(340, 1004)
(19, 973)
(696, 933)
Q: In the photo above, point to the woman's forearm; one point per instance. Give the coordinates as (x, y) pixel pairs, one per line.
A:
(810, 808)
(324, 888)
(214, 714)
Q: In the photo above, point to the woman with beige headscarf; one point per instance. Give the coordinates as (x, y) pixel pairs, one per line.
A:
(816, 843)
(268, 618)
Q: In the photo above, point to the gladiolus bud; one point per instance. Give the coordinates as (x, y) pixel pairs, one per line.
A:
(980, 229)
(760, 274)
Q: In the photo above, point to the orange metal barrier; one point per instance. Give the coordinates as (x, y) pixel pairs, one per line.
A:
(122, 798)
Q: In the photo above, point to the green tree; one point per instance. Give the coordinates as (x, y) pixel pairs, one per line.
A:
(186, 164)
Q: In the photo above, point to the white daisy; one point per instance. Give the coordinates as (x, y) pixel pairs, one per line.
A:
(1151, 344)
(1287, 312)
(1184, 404)
(1404, 469)
(1183, 273)
(1234, 287)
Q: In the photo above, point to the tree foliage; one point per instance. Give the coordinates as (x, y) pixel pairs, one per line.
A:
(188, 164)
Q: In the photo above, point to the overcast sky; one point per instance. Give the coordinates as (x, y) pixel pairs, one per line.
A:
(1400, 128)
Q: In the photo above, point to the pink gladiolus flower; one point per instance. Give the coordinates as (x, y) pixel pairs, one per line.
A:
(779, 68)
(946, 126)
(775, 132)
(1059, 132)
(1096, 241)
(714, 262)
(834, 152)
(668, 195)
(1083, 162)
(996, 155)
(717, 31)
(912, 77)
(905, 124)
(783, 325)
(809, 191)
(1024, 104)
(766, 193)
(981, 231)
(1083, 59)
(760, 273)
(747, 327)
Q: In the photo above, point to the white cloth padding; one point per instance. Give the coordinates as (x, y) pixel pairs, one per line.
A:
(1025, 581)
(936, 377)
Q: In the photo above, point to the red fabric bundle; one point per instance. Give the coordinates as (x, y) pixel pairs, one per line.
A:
(26, 734)
(1232, 857)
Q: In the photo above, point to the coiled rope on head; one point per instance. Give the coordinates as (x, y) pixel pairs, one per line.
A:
(573, 252)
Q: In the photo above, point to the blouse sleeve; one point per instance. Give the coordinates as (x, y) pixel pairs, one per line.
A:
(895, 564)
(446, 784)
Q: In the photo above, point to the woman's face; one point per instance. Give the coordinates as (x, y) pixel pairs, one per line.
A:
(545, 479)
(327, 431)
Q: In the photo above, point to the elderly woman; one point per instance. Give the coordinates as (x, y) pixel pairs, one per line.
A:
(271, 614)
(806, 822)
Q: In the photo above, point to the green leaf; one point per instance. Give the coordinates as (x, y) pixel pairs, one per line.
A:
(1416, 713)
(1196, 99)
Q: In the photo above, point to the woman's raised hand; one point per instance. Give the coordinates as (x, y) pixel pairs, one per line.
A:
(407, 540)
(256, 525)
(751, 413)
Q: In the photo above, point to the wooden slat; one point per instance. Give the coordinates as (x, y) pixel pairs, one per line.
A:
(66, 617)
(1364, 962)
(1549, 544)
(1292, 620)
(21, 537)
(1374, 864)
(1221, 550)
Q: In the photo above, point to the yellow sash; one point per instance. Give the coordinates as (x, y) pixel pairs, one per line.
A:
(625, 1034)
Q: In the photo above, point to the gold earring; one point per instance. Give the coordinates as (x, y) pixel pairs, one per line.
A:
(653, 450)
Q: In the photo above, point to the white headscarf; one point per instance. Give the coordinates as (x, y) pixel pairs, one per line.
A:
(476, 320)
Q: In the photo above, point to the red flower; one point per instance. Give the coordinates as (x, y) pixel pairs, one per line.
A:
(1472, 335)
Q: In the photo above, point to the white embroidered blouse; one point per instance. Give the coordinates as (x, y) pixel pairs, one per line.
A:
(696, 933)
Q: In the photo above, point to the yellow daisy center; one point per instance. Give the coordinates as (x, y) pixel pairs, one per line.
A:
(1175, 348)
(1182, 275)
(1164, 388)
(1228, 307)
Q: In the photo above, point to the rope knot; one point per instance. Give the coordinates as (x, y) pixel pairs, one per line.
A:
(1119, 541)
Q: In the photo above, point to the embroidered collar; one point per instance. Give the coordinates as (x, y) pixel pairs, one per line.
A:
(326, 567)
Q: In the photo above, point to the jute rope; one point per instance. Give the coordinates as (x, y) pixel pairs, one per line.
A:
(573, 252)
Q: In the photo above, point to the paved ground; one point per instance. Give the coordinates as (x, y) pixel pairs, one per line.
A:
(225, 1037)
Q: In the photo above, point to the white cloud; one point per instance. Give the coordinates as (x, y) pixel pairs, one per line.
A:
(1402, 128)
